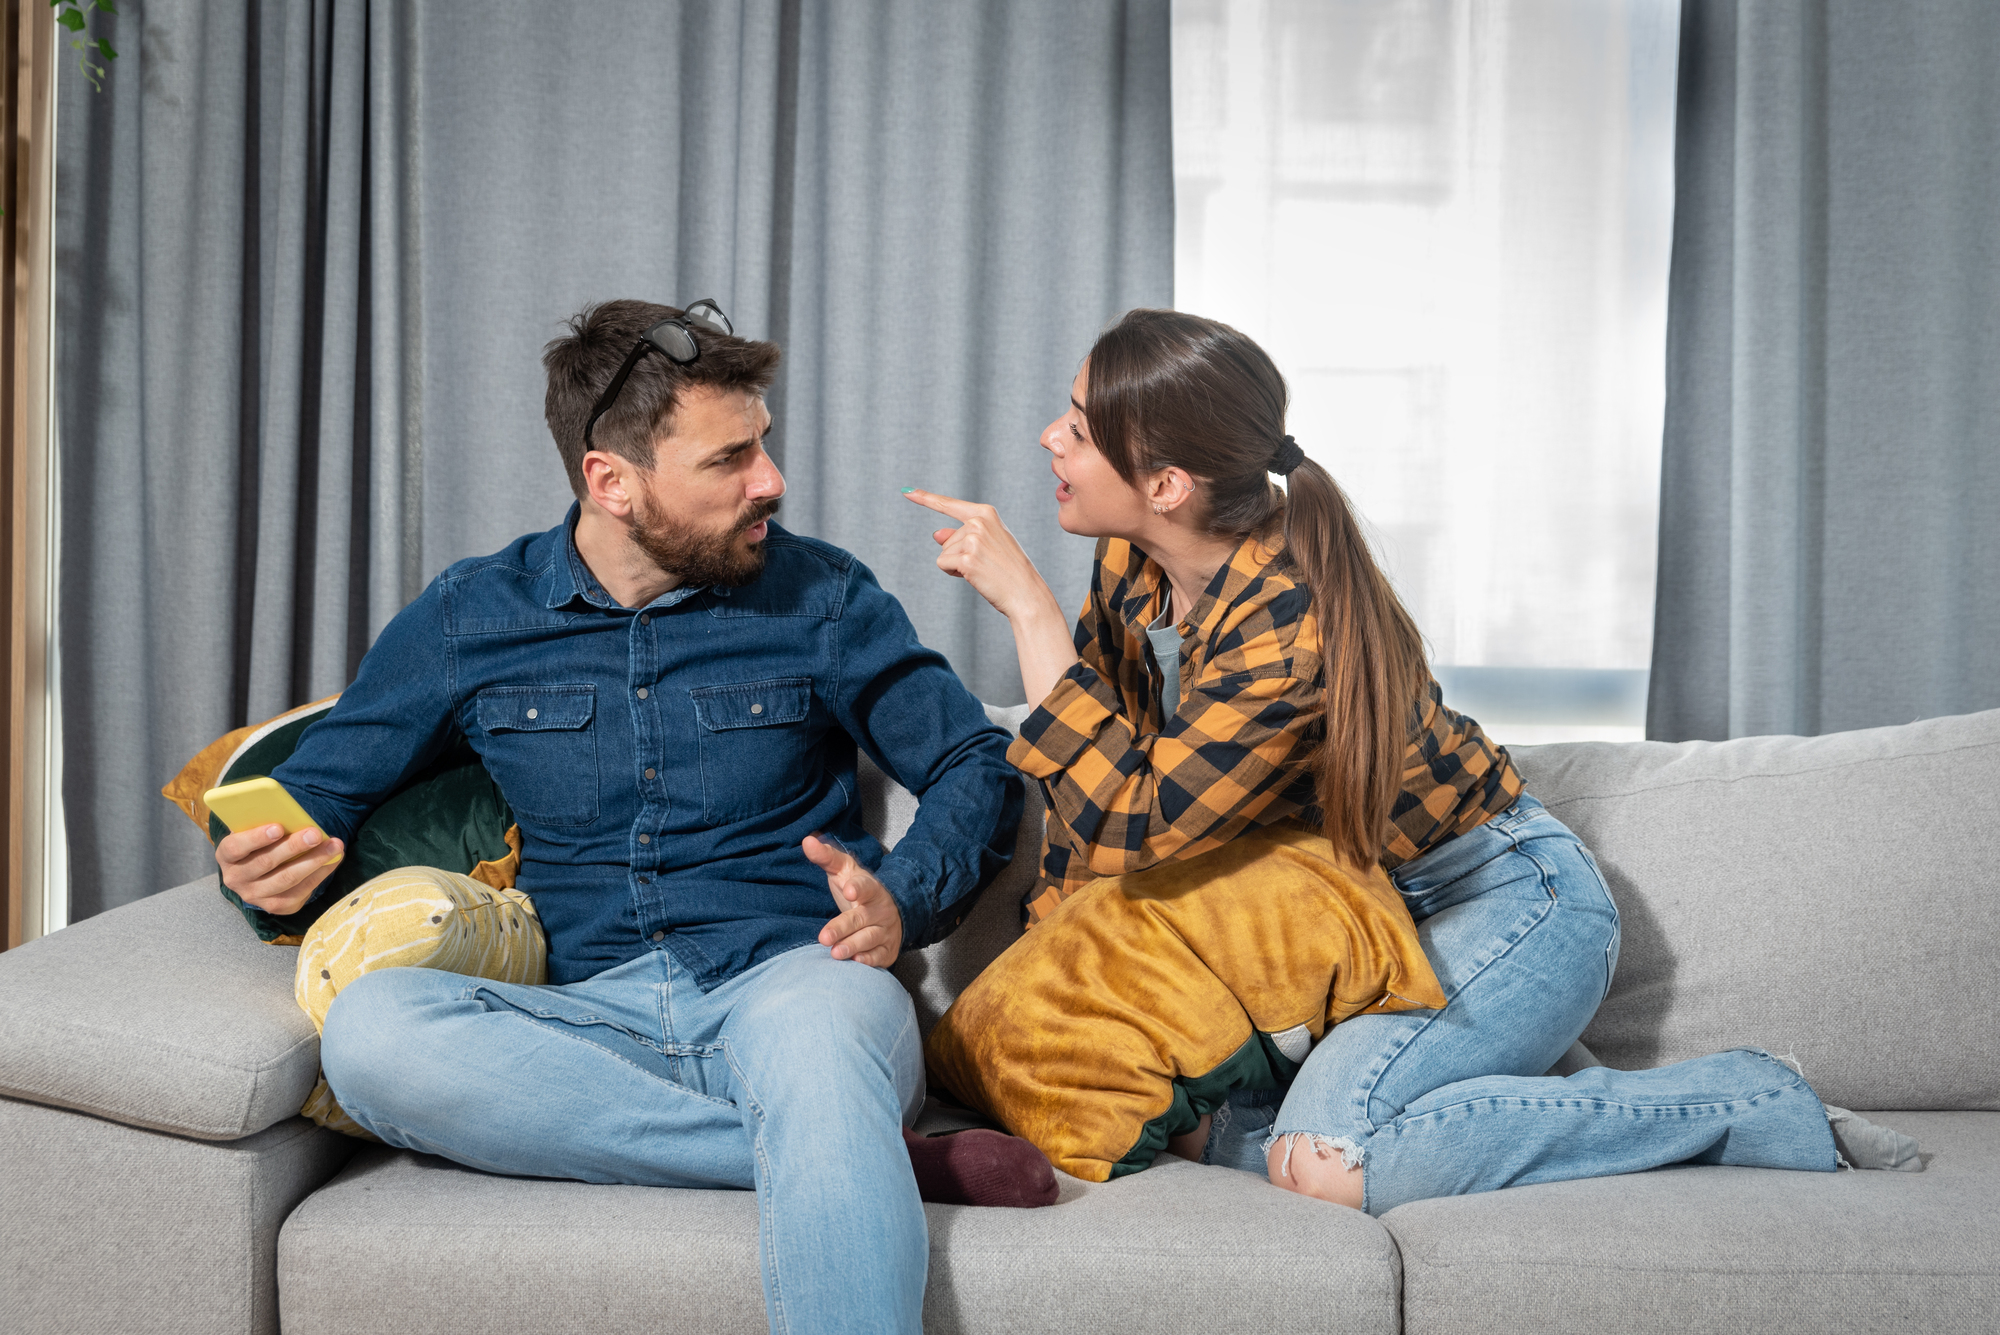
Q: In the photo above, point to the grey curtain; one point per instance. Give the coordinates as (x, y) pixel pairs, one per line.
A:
(309, 254)
(1829, 556)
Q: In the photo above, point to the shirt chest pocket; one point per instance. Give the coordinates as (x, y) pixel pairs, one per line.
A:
(755, 743)
(540, 744)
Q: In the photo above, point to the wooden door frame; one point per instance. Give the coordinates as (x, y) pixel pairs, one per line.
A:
(28, 68)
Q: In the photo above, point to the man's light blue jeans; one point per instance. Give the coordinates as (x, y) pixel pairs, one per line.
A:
(1523, 935)
(794, 1079)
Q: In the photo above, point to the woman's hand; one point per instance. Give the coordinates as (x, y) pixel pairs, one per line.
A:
(985, 554)
(982, 552)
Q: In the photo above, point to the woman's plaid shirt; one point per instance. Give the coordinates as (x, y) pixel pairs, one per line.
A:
(1128, 788)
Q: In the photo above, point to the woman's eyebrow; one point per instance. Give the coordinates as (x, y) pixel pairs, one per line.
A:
(1074, 404)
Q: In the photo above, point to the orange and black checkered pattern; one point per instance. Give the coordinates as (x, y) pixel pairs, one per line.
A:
(1128, 787)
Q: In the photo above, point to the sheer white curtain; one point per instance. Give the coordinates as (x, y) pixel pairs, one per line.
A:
(1448, 221)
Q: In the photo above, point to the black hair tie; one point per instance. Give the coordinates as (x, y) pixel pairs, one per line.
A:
(1290, 456)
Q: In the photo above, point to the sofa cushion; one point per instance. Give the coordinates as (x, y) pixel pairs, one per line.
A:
(401, 1241)
(1835, 898)
(1671, 1250)
(166, 1013)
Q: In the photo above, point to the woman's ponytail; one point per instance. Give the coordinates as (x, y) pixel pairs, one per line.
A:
(1374, 662)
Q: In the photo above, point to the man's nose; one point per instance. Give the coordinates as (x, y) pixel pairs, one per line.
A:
(767, 481)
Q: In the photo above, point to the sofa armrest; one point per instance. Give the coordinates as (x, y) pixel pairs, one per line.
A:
(167, 1013)
(110, 1228)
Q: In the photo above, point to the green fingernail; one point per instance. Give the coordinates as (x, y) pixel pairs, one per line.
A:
(908, 490)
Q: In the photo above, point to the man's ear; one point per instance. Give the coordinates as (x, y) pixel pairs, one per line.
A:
(609, 479)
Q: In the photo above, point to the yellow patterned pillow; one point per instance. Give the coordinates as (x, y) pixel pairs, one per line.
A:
(1143, 1000)
(414, 917)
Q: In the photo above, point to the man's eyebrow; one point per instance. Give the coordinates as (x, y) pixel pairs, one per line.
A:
(737, 446)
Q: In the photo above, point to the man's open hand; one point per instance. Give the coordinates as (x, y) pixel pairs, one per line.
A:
(275, 873)
(870, 926)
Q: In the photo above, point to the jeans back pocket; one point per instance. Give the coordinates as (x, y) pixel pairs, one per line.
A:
(540, 745)
(755, 745)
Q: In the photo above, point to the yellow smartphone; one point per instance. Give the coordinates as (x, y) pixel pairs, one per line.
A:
(252, 803)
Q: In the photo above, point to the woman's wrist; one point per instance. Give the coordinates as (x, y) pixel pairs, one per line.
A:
(1042, 641)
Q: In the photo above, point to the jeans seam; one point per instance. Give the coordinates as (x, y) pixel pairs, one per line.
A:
(1710, 1109)
(909, 1023)
(765, 1198)
(577, 1038)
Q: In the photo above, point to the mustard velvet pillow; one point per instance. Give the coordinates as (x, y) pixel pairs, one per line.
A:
(1144, 1000)
(414, 917)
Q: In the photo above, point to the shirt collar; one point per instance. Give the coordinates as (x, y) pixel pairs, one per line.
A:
(1148, 589)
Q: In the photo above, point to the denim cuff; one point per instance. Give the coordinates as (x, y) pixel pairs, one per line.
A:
(915, 901)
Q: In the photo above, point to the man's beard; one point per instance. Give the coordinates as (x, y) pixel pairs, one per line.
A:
(701, 557)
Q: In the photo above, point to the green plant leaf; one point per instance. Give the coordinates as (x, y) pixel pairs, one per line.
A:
(70, 19)
(105, 5)
(105, 47)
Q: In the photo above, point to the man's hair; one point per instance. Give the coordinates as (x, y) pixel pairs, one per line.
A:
(581, 364)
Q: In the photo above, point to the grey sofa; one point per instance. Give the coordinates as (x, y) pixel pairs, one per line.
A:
(1833, 898)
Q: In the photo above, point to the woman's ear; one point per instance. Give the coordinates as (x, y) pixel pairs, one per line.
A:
(1169, 489)
(605, 480)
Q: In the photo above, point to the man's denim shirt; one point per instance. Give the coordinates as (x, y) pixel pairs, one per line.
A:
(665, 762)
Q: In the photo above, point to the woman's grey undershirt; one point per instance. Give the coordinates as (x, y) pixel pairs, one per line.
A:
(1166, 639)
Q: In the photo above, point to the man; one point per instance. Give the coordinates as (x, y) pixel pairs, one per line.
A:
(669, 689)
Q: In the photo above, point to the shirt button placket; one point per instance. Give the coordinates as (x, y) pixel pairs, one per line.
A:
(640, 735)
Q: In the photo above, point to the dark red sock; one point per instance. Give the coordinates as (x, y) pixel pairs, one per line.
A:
(980, 1167)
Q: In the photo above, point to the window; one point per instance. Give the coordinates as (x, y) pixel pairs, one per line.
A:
(1448, 221)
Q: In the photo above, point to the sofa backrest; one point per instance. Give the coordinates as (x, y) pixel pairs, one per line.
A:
(936, 974)
(1835, 899)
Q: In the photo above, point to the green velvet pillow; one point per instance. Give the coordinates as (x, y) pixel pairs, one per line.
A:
(450, 816)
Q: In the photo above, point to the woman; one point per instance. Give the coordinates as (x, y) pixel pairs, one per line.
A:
(1242, 661)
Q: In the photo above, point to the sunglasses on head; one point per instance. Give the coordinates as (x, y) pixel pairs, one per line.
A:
(673, 338)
